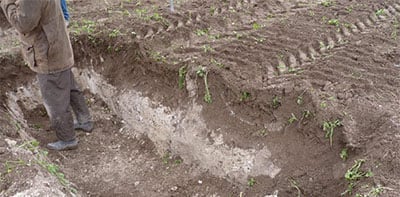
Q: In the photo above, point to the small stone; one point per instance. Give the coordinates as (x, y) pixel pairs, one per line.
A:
(200, 182)
(11, 142)
(2, 150)
(174, 188)
(137, 183)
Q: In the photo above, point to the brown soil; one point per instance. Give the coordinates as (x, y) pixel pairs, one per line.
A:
(267, 50)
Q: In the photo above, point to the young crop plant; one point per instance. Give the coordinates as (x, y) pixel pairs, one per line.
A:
(202, 72)
(374, 192)
(212, 10)
(202, 32)
(349, 9)
(245, 96)
(207, 48)
(380, 12)
(114, 33)
(263, 132)
(166, 157)
(327, 3)
(329, 127)
(343, 154)
(182, 75)
(256, 26)
(276, 102)
(307, 114)
(251, 182)
(334, 22)
(11, 165)
(292, 118)
(323, 104)
(354, 174)
(141, 12)
(215, 62)
(86, 26)
(41, 160)
(157, 56)
(300, 100)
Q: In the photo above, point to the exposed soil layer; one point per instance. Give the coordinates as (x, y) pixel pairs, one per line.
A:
(277, 71)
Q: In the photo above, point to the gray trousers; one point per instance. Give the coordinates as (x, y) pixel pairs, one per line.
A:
(59, 92)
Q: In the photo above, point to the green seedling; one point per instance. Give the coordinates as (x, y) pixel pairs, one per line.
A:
(178, 161)
(334, 22)
(380, 12)
(375, 192)
(87, 26)
(293, 70)
(244, 96)
(307, 114)
(141, 12)
(251, 182)
(207, 48)
(276, 102)
(292, 119)
(215, 62)
(157, 56)
(256, 26)
(212, 10)
(343, 154)
(329, 127)
(156, 17)
(40, 159)
(201, 72)
(30, 145)
(324, 19)
(114, 33)
(263, 132)
(201, 32)
(214, 37)
(327, 3)
(323, 104)
(126, 13)
(349, 9)
(182, 75)
(238, 35)
(11, 165)
(354, 173)
(300, 100)
(166, 158)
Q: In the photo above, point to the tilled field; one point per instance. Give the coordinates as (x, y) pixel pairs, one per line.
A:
(228, 98)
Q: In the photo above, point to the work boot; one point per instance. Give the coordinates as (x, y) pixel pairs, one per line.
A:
(63, 145)
(86, 127)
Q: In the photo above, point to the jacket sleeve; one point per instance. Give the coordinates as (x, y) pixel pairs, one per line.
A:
(24, 15)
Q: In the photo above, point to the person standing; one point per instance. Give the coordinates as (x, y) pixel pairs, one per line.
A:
(47, 49)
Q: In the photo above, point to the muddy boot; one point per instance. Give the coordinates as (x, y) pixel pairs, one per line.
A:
(63, 145)
(86, 127)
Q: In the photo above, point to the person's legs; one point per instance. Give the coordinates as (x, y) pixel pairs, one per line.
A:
(80, 108)
(56, 93)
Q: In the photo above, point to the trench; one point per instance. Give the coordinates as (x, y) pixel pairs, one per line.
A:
(143, 129)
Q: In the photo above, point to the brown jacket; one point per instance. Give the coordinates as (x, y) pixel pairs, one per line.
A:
(45, 42)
